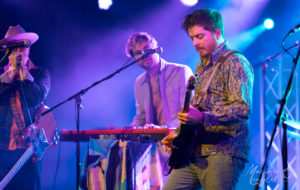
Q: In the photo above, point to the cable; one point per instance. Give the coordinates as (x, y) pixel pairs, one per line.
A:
(57, 165)
(27, 109)
(126, 62)
(292, 31)
(282, 45)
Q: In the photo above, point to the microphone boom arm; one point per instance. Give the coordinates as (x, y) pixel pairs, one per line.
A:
(83, 91)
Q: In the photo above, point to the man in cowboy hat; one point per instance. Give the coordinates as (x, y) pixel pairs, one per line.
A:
(23, 88)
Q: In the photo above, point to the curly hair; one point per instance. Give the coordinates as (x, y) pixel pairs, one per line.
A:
(136, 38)
(209, 19)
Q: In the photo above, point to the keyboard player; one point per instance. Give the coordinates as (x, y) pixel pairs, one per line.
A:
(159, 96)
(160, 90)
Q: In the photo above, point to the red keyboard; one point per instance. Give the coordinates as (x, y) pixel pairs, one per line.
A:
(125, 134)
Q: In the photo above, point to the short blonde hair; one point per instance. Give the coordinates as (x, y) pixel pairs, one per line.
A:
(136, 38)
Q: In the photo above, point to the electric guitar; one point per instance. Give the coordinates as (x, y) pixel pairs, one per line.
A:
(185, 142)
(47, 136)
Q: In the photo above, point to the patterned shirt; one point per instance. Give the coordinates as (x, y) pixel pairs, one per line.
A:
(227, 104)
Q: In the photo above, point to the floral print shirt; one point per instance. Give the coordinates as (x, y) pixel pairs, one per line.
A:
(227, 104)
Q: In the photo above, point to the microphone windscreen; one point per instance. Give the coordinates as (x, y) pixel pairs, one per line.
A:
(159, 50)
(27, 43)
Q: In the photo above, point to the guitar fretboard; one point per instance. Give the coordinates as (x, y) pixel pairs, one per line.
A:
(17, 167)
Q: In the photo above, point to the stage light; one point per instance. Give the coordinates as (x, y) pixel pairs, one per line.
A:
(246, 38)
(104, 4)
(189, 3)
(269, 23)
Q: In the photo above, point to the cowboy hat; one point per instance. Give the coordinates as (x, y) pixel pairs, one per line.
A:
(16, 33)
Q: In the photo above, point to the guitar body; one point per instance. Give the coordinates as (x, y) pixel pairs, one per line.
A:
(47, 124)
(185, 144)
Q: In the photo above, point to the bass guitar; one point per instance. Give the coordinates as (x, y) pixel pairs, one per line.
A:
(42, 134)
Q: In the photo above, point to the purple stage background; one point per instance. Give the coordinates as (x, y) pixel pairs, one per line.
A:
(80, 44)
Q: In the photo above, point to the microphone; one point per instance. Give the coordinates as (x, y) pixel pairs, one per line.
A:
(295, 29)
(14, 44)
(19, 60)
(158, 50)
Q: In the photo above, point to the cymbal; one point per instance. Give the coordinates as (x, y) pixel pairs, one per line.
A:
(293, 124)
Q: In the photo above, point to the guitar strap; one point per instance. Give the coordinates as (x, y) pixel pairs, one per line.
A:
(18, 124)
(220, 61)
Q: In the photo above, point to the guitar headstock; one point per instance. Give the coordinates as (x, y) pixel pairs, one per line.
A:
(192, 83)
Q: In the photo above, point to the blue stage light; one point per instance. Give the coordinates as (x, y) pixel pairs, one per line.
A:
(189, 3)
(269, 23)
(104, 4)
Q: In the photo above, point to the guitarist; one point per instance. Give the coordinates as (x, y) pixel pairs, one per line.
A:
(221, 113)
(18, 79)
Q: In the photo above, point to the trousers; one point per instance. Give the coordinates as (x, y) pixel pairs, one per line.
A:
(217, 172)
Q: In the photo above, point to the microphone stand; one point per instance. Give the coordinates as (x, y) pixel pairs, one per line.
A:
(282, 103)
(264, 63)
(78, 99)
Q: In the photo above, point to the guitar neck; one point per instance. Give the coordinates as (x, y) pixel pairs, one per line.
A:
(18, 165)
(187, 100)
